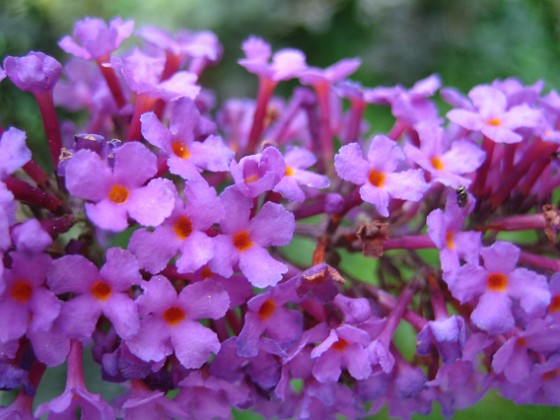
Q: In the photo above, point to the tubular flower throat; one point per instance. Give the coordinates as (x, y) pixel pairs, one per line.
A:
(118, 194)
(180, 149)
(242, 240)
(377, 179)
(497, 282)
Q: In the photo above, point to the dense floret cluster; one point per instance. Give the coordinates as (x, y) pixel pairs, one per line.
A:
(163, 239)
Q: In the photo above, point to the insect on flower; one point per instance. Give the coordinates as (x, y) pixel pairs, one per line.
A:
(462, 196)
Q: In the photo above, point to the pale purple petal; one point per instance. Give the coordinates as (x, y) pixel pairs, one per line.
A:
(155, 132)
(493, 313)
(273, 225)
(501, 257)
(121, 269)
(107, 215)
(384, 154)
(196, 251)
(158, 295)
(153, 342)
(467, 119)
(151, 204)
(123, 313)
(194, 344)
(204, 299)
(13, 151)
(154, 249)
(88, 176)
(14, 318)
(134, 164)
(376, 196)
(260, 268)
(350, 164)
(406, 185)
(225, 256)
(500, 134)
(62, 277)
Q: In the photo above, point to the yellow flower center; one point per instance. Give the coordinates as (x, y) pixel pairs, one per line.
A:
(242, 241)
(437, 163)
(180, 149)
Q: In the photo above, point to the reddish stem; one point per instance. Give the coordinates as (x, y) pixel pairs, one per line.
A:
(50, 125)
(28, 194)
(266, 88)
(112, 81)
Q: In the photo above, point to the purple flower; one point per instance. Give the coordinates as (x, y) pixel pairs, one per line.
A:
(495, 287)
(345, 347)
(268, 315)
(36, 72)
(298, 159)
(187, 143)
(94, 39)
(447, 334)
(258, 173)
(243, 239)
(492, 117)
(409, 106)
(286, 64)
(445, 230)
(332, 74)
(118, 192)
(84, 87)
(26, 304)
(13, 151)
(446, 163)
(184, 232)
(170, 321)
(514, 357)
(142, 73)
(97, 292)
(377, 175)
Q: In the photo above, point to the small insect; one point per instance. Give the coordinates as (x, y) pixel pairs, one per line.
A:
(462, 196)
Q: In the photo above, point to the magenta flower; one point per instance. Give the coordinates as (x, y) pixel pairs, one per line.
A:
(268, 316)
(94, 39)
(97, 292)
(183, 232)
(492, 117)
(170, 321)
(255, 174)
(118, 192)
(297, 160)
(188, 143)
(36, 72)
(377, 176)
(13, 151)
(26, 305)
(142, 73)
(496, 286)
(286, 64)
(446, 161)
(243, 239)
(514, 358)
(446, 231)
(345, 347)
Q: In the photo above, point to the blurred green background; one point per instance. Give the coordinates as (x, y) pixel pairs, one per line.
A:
(400, 41)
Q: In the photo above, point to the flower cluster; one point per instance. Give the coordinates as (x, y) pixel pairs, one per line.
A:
(156, 241)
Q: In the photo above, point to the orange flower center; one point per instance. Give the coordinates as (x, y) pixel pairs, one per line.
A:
(267, 309)
(437, 163)
(174, 315)
(118, 194)
(449, 239)
(521, 342)
(497, 282)
(340, 345)
(242, 240)
(101, 290)
(289, 170)
(180, 149)
(251, 178)
(183, 227)
(22, 291)
(495, 122)
(376, 178)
